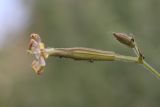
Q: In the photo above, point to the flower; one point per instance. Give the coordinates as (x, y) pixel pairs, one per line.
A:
(36, 47)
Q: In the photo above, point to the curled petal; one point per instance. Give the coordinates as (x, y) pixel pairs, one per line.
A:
(38, 66)
(42, 61)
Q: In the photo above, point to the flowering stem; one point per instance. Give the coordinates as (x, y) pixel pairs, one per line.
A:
(37, 48)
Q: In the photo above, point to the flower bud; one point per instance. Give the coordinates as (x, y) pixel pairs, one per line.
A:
(125, 39)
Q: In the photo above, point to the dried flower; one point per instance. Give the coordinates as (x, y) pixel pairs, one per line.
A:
(36, 47)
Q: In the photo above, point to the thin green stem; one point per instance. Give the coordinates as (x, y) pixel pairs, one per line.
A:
(136, 50)
(155, 72)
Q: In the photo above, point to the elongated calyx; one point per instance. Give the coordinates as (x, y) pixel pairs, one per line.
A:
(125, 39)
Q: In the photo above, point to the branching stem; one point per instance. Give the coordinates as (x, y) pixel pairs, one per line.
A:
(80, 53)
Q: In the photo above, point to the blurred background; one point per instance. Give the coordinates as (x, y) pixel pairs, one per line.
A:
(78, 23)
